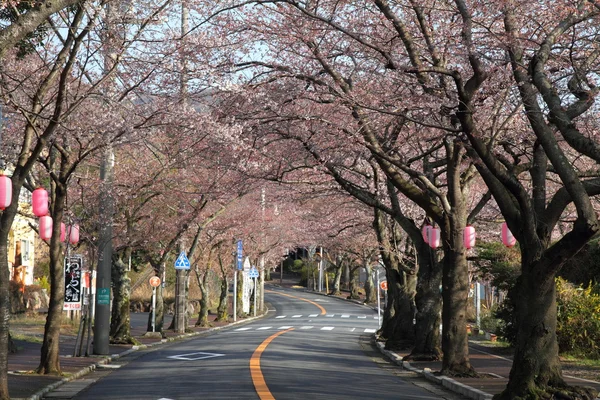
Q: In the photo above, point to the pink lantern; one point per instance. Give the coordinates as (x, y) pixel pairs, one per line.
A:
(63, 234)
(469, 237)
(5, 191)
(74, 234)
(39, 202)
(434, 237)
(45, 227)
(507, 237)
(425, 233)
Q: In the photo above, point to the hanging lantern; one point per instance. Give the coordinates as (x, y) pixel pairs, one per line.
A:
(507, 237)
(434, 237)
(45, 227)
(469, 237)
(39, 202)
(63, 233)
(5, 191)
(74, 234)
(425, 233)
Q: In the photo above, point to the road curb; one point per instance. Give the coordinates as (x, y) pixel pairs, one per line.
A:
(444, 381)
(84, 371)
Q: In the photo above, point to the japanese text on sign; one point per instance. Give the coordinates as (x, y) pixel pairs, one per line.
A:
(73, 275)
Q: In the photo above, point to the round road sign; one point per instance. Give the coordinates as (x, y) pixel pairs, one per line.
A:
(384, 285)
(155, 281)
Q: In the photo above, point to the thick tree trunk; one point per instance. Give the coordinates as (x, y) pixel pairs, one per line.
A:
(120, 321)
(370, 289)
(335, 290)
(223, 309)
(354, 284)
(536, 371)
(401, 325)
(203, 313)
(455, 291)
(49, 359)
(428, 301)
(6, 222)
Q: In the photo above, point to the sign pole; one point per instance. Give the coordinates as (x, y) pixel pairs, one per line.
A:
(153, 308)
(234, 295)
(255, 296)
(378, 301)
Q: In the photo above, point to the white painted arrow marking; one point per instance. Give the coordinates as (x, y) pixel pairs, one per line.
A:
(195, 356)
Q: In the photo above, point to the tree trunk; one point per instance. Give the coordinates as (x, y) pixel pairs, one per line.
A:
(370, 289)
(49, 359)
(401, 326)
(354, 295)
(203, 313)
(335, 291)
(223, 309)
(7, 218)
(428, 301)
(455, 291)
(536, 371)
(120, 321)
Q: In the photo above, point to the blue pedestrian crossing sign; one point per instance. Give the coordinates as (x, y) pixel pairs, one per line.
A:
(253, 273)
(182, 261)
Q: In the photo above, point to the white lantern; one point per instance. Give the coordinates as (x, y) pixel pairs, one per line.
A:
(507, 237)
(469, 237)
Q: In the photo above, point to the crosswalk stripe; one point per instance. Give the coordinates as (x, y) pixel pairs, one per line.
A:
(296, 316)
(328, 328)
(243, 329)
(345, 316)
(307, 327)
(368, 330)
(285, 327)
(313, 315)
(263, 328)
(281, 316)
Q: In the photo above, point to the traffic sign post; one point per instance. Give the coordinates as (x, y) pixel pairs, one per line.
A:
(253, 274)
(154, 282)
(182, 264)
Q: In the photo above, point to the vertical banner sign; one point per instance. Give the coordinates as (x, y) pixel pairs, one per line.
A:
(240, 255)
(73, 276)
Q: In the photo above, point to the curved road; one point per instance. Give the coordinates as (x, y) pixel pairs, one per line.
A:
(309, 347)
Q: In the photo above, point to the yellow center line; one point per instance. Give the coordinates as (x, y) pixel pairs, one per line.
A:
(323, 312)
(257, 377)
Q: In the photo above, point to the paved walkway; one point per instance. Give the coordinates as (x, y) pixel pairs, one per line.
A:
(23, 384)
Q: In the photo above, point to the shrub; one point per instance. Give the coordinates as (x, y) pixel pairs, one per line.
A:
(578, 325)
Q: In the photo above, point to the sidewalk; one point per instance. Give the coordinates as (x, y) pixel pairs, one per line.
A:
(23, 384)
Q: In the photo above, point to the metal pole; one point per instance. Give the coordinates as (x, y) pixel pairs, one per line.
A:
(320, 269)
(255, 297)
(378, 301)
(234, 294)
(477, 305)
(153, 308)
(281, 274)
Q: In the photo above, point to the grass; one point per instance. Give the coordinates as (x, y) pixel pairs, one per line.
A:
(577, 358)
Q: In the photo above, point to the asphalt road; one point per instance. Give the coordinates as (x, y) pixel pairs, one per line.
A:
(308, 347)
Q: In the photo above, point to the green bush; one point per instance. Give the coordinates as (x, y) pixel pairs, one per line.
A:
(490, 323)
(578, 326)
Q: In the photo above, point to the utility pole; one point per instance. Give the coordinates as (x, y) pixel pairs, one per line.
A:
(105, 216)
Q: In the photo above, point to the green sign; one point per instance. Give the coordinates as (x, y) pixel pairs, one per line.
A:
(103, 296)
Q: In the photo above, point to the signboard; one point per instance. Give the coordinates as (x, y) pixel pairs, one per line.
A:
(240, 255)
(182, 261)
(103, 296)
(253, 273)
(155, 281)
(383, 285)
(73, 267)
